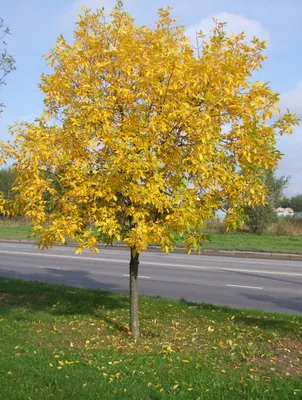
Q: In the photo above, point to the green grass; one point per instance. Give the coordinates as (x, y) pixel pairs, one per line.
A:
(17, 232)
(238, 241)
(249, 242)
(65, 343)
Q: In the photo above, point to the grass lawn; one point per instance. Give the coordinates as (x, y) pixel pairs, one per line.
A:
(11, 231)
(248, 242)
(238, 241)
(65, 343)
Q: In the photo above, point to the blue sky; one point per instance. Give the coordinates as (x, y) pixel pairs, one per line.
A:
(35, 25)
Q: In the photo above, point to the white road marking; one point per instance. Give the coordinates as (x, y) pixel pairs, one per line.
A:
(140, 276)
(208, 258)
(194, 257)
(159, 264)
(254, 271)
(172, 265)
(237, 260)
(41, 266)
(24, 253)
(246, 287)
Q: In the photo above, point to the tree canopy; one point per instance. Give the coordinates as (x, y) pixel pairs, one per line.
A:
(141, 137)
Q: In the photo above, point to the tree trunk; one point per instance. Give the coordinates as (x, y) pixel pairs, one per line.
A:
(134, 326)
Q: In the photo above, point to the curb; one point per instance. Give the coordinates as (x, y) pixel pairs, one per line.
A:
(179, 250)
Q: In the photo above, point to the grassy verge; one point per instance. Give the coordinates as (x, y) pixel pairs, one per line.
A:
(11, 231)
(248, 242)
(238, 241)
(61, 342)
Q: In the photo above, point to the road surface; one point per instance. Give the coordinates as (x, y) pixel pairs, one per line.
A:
(270, 285)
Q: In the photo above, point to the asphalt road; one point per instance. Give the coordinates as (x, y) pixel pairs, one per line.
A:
(270, 285)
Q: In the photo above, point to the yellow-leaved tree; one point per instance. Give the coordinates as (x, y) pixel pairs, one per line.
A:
(142, 138)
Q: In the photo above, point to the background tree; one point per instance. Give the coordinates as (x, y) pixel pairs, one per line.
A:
(7, 179)
(295, 202)
(7, 62)
(262, 216)
(285, 203)
(133, 139)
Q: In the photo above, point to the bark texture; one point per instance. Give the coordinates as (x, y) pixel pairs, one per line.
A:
(134, 263)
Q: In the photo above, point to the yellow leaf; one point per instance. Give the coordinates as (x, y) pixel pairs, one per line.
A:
(169, 349)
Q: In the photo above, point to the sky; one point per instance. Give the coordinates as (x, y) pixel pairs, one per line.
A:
(35, 25)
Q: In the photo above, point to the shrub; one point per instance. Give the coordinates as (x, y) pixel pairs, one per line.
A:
(260, 218)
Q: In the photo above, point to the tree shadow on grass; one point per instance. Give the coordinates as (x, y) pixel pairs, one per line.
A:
(34, 294)
(285, 323)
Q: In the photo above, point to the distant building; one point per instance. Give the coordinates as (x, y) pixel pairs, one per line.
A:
(284, 212)
(220, 215)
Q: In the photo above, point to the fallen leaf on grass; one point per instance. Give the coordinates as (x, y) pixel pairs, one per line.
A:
(169, 349)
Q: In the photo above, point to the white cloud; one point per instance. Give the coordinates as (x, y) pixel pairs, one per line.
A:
(292, 100)
(235, 24)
